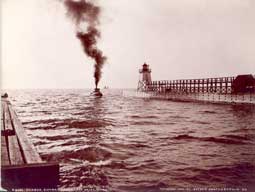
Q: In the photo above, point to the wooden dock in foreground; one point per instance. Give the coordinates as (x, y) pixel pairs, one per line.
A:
(21, 165)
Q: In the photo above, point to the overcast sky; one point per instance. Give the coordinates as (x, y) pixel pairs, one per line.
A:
(177, 38)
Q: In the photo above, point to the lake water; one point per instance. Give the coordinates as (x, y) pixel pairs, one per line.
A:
(124, 143)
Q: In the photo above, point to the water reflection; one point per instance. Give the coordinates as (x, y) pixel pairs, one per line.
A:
(243, 110)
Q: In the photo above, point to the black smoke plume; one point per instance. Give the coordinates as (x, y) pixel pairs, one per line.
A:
(85, 12)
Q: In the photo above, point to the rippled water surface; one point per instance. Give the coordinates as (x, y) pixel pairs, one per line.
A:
(123, 143)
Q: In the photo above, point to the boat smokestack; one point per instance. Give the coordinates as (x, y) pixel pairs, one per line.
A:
(86, 16)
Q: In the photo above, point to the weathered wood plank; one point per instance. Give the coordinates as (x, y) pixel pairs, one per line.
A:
(28, 149)
(2, 116)
(7, 119)
(4, 152)
(15, 151)
(41, 175)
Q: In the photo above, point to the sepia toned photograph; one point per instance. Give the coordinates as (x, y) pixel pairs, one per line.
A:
(127, 95)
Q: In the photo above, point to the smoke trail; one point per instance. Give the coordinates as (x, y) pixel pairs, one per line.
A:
(84, 11)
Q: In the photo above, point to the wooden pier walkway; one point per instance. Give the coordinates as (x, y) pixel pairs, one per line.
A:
(240, 89)
(221, 85)
(21, 165)
(207, 85)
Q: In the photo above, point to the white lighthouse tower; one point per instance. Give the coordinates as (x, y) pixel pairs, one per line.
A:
(145, 78)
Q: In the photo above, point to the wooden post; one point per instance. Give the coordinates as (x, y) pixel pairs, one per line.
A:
(203, 86)
(215, 85)
(221, 81)
(207, 82)
(198, 87)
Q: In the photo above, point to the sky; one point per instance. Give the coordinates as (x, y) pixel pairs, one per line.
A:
(179, 39)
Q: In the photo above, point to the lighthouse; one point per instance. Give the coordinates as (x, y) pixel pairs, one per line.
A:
(145, 77)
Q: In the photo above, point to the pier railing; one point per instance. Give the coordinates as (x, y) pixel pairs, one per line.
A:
(238, 89)
(207, 85)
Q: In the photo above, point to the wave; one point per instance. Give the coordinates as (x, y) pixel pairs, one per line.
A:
(91, 154)
(145, 123)
(43, 121)
(232, 175)
(146, 186)
(208, 112)
(40, 143)
(87, 124)
(80, 177)
(57, 137)
(179, 117)
(144, 117)
(243, 130)
(210, 139)
(245, 137)
(125, 147)
(68, 123)
(97, 163)
(200, 122)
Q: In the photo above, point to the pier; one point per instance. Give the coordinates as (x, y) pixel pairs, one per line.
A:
(21, 165)
(207, 85)
(239, 89)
